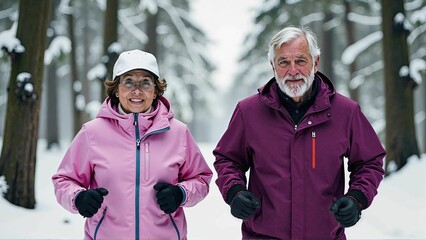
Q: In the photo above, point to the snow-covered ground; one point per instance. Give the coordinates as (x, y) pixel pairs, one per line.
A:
(398, 212)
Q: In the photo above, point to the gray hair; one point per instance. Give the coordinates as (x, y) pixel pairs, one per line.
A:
(288, 34)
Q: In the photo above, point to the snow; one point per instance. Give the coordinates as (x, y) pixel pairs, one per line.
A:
(131, 28)
(59, 45)
(97, 72)
(365, 20)
(419, 16)
(23, 76)
(404, 71)
(398, 211)
(417, 67)
(9, 42)
(351, 52)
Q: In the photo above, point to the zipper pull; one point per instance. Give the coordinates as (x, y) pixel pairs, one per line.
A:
(295, 127)
(138, 143)
(135, 116)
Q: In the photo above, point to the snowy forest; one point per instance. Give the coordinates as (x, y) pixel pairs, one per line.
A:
(55, 55)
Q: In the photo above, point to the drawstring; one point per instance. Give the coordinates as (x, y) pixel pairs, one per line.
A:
(175, 226)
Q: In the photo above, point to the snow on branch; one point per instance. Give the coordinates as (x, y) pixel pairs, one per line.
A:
(131, 27)
(351, 52)
(187, 38)
(97, 72)
(415, 33)
(9, 42)
(25, 87)
(149, 5)
(60, 45)
(417, 66)
(364, 20)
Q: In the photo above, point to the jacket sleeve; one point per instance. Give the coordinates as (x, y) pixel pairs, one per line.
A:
(365, 156)
(232, 156)
(74, 172)
(194, 175)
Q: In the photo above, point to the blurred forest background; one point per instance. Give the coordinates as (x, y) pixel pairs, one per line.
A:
(56, 54)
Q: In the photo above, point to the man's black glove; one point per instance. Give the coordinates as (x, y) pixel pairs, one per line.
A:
(347, 210)
(88, 202)
(244, 204)
(169, 197)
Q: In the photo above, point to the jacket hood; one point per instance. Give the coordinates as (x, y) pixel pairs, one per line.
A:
(326, 89)
(109, 111)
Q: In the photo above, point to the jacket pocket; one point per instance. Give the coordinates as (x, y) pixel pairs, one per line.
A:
(314, 150)
(100, 223)
(146, 164)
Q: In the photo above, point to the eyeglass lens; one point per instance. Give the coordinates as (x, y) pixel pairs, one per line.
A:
(131, 85)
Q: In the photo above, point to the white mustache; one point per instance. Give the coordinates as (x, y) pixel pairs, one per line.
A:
(298, 76)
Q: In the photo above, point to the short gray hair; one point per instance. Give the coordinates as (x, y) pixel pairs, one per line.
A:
(288, 34)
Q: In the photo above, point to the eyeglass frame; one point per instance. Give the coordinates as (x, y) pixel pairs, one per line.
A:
(137, 84)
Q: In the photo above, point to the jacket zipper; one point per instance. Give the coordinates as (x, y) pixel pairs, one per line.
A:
(314, 149)
(99, 224)
(139, 139)
(137, 185)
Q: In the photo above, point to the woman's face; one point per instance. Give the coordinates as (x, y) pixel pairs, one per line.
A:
(136, 91)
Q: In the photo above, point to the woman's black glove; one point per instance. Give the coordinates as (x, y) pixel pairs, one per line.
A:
(88, 202)
(244, 204)
(169, 197)
(347, 210)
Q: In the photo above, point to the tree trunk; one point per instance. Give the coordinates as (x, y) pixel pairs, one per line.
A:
(110, 36)
(18, 157)
(350, 36)
(75, 83)
(328, 46)
(151, 29)
(400, 134)
(52, 131)
(86, 51)
(420, 100)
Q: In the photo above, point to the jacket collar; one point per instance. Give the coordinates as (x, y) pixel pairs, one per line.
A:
(158, 118)
(326, 90)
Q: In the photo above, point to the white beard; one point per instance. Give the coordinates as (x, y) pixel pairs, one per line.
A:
(295, 90)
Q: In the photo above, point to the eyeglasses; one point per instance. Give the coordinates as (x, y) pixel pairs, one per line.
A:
(132, 85)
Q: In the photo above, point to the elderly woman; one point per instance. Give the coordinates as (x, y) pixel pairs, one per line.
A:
(132, 169)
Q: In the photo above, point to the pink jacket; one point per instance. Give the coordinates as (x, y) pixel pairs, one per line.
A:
(128, 155)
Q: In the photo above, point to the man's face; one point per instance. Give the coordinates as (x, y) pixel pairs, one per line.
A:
(294, 69)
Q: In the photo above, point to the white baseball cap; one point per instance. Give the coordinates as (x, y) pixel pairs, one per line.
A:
(135, 59)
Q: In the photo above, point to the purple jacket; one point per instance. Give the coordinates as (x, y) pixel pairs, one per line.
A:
(127, 155)
(297, 171)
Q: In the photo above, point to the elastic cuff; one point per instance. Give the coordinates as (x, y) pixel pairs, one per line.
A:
(359, 196)
(183, 194)
(233, 190)
(75, 197)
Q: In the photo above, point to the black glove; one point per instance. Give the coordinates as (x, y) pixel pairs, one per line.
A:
(169, 197)
(244, 204)
(347, 211)
(89, 201)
